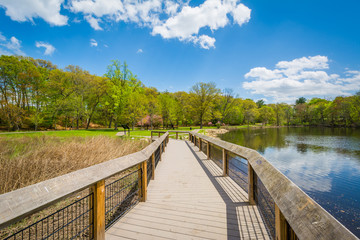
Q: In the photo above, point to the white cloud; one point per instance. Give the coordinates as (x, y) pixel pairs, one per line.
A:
(167, 18)
(301, 77)
(94, 22)
(204, 41)
(139, 51)
(171, 7)
(25, 10)
(241, 14)
(49, 49)
(263, 73)
(213, 14)
(2, 38)
(144, 13)
(10, 47)
(76, 20)
(93, 43)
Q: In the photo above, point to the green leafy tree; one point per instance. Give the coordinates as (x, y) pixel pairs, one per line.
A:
(202, 98)
(260, 103)
(301, 100)
(227, 104)
(266, 115)
(250, 111)
(152, 104)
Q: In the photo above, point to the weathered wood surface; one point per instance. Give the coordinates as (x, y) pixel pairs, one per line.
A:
(22, 202)
(189, 199)
(306, 217)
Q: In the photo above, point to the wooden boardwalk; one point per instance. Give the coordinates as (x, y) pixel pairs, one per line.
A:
(189, 199)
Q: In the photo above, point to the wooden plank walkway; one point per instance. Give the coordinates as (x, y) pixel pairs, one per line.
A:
(189, 199)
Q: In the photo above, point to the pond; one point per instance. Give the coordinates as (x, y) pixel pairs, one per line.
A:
(323, 162)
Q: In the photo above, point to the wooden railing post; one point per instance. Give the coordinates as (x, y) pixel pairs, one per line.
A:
(251, 188)
(177, 135)
(225, 163)
(99, 210)
(200, 144)
(143, 180)
(151, 136)
(153, 166)
(208, 150)
(280, 225)
(159, 134)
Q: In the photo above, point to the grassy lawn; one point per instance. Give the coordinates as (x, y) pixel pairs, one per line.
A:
(89, 133)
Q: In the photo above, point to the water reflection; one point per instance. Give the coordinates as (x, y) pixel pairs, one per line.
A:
(324, 162)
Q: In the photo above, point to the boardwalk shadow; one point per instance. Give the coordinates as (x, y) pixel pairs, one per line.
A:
(242, 218)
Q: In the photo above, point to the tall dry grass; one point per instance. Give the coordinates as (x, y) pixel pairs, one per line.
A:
(28, 160)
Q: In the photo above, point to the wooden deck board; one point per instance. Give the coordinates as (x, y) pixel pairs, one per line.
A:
(189, 199)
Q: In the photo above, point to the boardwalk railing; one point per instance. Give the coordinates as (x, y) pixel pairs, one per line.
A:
(288, 212)
(104, 192)
(117, 185)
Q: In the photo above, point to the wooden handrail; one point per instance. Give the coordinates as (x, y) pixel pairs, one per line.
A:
(25, 201)
(306, 217)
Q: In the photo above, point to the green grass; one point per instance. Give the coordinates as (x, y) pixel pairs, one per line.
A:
(89, 133)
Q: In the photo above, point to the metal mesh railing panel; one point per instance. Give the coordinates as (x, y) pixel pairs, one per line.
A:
(149, 170)
(265, 205)
(216, 155)
(204, 147)
(157, 156)
(74, 221)
(238, 170)
(121, 195)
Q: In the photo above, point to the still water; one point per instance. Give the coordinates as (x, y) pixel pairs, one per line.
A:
(323, 162)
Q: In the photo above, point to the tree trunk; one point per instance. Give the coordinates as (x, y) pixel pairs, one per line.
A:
(151, 122)
(111, 118)
(116, 126)
(88, 123)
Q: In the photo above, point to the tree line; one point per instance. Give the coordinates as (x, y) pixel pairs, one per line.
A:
(36, 94)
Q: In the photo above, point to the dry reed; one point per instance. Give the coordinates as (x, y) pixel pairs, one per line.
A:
(28, 160)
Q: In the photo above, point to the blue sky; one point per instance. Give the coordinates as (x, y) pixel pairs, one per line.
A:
(275, 50)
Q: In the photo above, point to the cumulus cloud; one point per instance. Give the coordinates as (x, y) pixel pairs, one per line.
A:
(204, 41)
(11, 46)
(25, 10)
(301, 77)
(169, 19)
(94, 22)
(139, 51)
(93, 43)
(212, 14)
(49, 49)
(145, 13)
